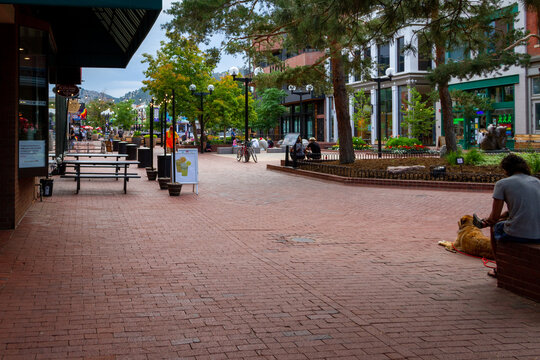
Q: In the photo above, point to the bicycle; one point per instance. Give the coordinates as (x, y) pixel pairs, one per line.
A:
(245, 152)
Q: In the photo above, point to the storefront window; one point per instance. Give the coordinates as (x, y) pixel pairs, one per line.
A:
(536, 86)
(504, 117)
(501, 93)
(403, 97)
(386, 112)
(537, 116)
(33, 102)
(383, 58)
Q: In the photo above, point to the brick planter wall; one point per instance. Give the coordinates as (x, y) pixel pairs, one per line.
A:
(518, 269)
(425, 184)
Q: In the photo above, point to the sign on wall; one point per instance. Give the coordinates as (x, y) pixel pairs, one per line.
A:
(32, 154)
(187, 167)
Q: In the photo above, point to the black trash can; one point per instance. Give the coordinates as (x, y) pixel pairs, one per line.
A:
(46, 187)
(115, 144)
(143, 154)
(131, 150)
(122, 147)
(164, 166)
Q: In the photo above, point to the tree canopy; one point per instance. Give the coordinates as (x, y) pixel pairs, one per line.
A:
(269, 108)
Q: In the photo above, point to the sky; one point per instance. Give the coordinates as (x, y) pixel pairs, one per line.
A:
(117, 82)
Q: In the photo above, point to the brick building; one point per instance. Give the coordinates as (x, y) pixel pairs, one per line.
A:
(41, 46)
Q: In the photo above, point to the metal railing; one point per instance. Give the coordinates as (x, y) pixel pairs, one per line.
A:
(333, 155)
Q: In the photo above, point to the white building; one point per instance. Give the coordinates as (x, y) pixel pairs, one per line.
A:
(507, 89)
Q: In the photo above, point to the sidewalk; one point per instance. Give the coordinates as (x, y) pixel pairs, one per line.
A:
(260, 264)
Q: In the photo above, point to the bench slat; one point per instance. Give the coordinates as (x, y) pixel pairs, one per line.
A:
(102, 176)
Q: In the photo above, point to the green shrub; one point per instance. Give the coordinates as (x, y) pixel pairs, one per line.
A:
(473, 157)
(359, 144)
(148, 136)
(452, 156)
(137, 133)
(534, 162)
(402, 141)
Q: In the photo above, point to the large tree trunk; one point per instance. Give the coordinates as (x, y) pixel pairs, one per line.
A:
(446, 105)
(346, 151)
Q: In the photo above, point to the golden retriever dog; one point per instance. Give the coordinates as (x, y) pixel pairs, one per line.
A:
(470, 240)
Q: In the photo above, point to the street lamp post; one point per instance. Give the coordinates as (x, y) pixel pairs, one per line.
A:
(246, 80)
(164, 127)
(201, 95)
(151, 132)
(309, 90)
(379, 80)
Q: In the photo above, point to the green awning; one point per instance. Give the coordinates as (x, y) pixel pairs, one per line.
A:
(97, 33)
(480, 84)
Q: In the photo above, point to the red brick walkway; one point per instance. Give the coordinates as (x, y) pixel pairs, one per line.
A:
(260, 264)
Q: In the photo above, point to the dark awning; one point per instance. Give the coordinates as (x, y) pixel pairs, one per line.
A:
(95, 33)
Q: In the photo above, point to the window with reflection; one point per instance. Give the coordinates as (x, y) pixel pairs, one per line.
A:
(33, 101)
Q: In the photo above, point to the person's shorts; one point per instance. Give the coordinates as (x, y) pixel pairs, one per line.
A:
(500, 235)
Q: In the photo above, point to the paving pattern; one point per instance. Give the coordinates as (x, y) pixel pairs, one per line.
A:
(260, 264)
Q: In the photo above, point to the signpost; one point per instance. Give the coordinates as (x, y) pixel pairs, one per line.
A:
(290, 139)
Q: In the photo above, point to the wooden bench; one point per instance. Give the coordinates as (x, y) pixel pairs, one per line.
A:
(527, 141)
(116, 164)
(518, 268)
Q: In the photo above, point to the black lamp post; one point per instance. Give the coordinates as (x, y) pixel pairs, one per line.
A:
(152, 132)
(309, 90)
(246, 80)
(173, 162)
(379, 80)
(201, 95)
(164, 126)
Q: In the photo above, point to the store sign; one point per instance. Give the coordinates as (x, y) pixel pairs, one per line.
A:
(67, 90)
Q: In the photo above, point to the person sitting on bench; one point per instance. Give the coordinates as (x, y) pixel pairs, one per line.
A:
(313, 150)
(521, 193)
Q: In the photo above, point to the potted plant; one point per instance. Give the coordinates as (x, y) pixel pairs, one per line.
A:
(174, 188)
(136, 139)
(151, 173)
(95, 135)
(147, 140)
(163, 181)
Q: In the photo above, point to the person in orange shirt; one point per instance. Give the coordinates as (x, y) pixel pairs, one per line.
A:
(170, 139)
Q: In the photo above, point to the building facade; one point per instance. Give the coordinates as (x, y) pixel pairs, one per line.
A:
(516, 101)
(38, 49)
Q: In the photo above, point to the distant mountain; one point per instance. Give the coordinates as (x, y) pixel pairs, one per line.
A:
(138, 96)
(91, 95)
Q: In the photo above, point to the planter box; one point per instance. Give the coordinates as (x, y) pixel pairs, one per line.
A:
(226, 150)
(95, 136)
(136, 140)
(275, 150)
(216, 147)
(147, 141)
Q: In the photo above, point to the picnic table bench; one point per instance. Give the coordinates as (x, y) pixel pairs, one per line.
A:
(117, 164)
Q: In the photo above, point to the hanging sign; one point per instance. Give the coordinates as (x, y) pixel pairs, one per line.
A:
(156, 113)
(187, 167)
(67, 90)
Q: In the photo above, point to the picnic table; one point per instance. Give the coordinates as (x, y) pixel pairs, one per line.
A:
(117, 164)
(92, 155)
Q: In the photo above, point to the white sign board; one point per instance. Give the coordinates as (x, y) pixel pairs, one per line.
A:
(290, 139)
(32, 153)
(187, 167)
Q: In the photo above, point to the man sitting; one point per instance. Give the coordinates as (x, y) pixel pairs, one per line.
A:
(313, 150)
(521, 193)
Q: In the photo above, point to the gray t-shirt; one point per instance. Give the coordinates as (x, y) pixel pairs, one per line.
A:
(521, 193)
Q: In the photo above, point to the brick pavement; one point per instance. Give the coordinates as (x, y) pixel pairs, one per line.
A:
(103, 275)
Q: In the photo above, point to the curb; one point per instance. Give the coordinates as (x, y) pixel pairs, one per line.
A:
(415, 184)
